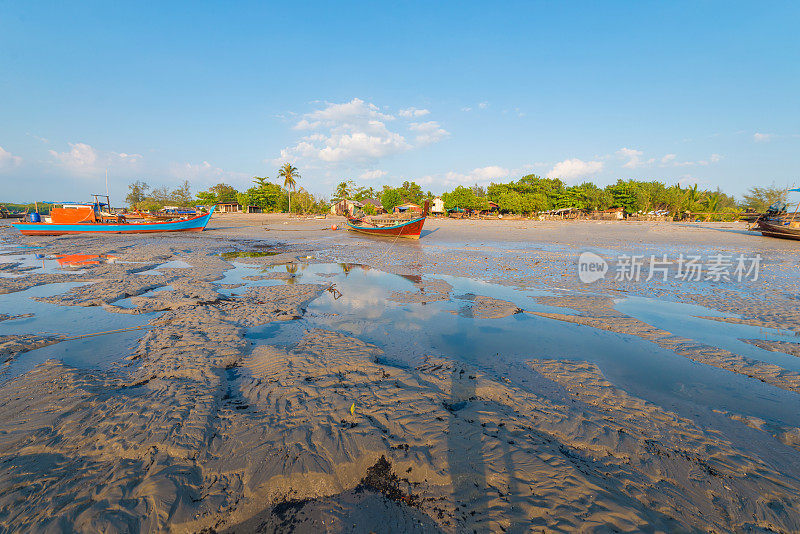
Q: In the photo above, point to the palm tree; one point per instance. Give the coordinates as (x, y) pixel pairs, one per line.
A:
(712, 202)
(343, 191)
(290, 177)
(693, 196)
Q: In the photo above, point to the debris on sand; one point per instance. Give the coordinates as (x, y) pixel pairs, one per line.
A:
(380, 478)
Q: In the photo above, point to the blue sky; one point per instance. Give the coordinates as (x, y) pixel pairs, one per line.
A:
(440, 93)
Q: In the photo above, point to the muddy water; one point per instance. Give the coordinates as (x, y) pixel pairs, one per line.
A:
(359, 303)
(50, 319)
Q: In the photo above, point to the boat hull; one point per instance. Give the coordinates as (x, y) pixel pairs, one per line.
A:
(779, 231)
(408, 229)
(195, 224)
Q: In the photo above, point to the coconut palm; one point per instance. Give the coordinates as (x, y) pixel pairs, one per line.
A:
(290, 177)
(712, 202)
(343, 190)
(693, 196)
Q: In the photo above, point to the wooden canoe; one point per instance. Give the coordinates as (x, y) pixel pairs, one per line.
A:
(410, 229)
(783, 231)
(194, 224)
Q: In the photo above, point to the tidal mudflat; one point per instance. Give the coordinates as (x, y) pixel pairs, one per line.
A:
(280, 376)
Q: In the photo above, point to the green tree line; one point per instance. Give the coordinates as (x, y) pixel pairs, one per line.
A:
(527, 195)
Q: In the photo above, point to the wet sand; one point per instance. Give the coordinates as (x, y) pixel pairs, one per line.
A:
(254, 399)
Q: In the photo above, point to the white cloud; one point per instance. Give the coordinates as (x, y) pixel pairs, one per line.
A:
(355, 133)
(350, 112)
(130, 158)
(413, 113)
(85, 159)
(668, 158)
(575, 168)
(372, 175)
(428, 132)
(759, 137)
(483, 105)
(467, 108)
(362, 146)
(38, 137)
(8, 160)
(80, 158)
(634, 158)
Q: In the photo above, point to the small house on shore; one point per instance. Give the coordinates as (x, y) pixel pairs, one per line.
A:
(560, 214)
(612, 214)
(374, 202)
(437, 206)
(345, 207)
(408, 207)
(228, 207)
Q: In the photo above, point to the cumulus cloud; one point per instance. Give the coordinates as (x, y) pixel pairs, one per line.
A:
(428, 132)
(759, 137)
(82, 158)
(349, 112)
(634, 158)
(373, 174)
(668, 158)
(8, 160)
(355, 133)
(570, 169)
(413, 113)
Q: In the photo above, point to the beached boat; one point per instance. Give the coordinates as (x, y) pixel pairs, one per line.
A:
(779, 228)
(777, 222)
(86, 220)
(7, 214)
(410, 228)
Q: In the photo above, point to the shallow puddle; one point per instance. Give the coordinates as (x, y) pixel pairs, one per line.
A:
(686, 320)
(99, 351)
(359, 304)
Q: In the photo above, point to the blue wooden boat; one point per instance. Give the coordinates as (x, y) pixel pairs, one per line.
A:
(89, 225)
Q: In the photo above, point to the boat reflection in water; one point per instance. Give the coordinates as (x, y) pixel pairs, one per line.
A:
(85, 259)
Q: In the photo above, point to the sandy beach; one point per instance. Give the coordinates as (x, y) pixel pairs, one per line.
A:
(272, 374)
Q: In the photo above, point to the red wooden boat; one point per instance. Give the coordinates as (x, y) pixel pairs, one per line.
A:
(388, 227)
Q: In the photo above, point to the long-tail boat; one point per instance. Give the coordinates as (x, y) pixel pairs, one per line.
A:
(777, 222)
(778, 228)
(388, 227)
(86, 219)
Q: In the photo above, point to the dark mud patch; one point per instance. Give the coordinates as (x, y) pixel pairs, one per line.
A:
(377, 504)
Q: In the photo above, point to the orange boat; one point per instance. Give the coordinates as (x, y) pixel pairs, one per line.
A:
(85, 259)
